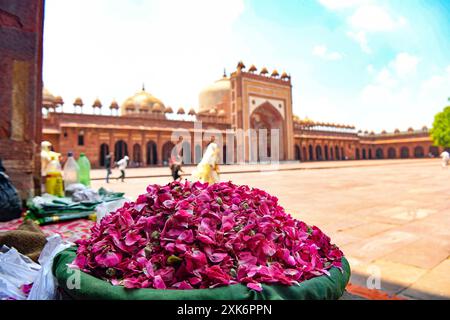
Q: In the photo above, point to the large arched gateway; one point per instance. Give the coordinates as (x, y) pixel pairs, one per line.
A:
(267, 122)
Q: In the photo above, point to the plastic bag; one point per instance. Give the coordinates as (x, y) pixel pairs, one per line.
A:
(86, 195)
(74, 187)
(106, 207)
(16, 270)
(10, 204)
(44, 286)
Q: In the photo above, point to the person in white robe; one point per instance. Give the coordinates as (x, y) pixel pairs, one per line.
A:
(208, 168)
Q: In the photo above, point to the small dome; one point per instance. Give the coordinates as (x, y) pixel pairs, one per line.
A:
(425, 128)
(275, 73)
(181, 111)
(410, 129)
(168, 110)
(214, 94)
(264, 71)
(97, 103)
(396, 131)
(372, 133)
(157, 108)
(114, 105)
(78, 102)
(130, 104)
(192, 112)
(143, 100)
(59, 100)
(383, 132)
(48, 99)
(221, 113)
(252, 68)
(241, 65)
(366, 132)
(284, 75)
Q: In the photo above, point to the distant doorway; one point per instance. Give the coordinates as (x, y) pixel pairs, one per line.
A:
(392, 154)
(379, 153)
(167, 152)
(152, 154)
(120, 150)
(319, 153)
(298, 154)
(137, 155)
(404, 153)
(418, 152)
(434, 151)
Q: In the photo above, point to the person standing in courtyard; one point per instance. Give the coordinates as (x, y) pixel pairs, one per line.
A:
(108, 166)
(208, 168)
(122, 164)
(445, 158)
(176, 160)
(176, 169)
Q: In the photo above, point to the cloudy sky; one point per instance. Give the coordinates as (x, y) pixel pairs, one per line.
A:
(377, 64)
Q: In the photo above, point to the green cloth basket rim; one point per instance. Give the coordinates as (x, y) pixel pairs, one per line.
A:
(91, 288)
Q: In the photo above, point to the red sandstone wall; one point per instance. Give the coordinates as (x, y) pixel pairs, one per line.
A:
(21, 31)
(417, 144)
(107, 129)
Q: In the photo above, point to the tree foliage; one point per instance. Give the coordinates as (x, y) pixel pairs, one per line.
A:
(440, 133)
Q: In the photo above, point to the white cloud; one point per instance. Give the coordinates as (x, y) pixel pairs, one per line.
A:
(322, 52)
(364, 17)
(361, 39)
(385, 78)
(396, 71)
(393, 100)
(342, 4)
(373, 18)
(405, 64)
(436, 85)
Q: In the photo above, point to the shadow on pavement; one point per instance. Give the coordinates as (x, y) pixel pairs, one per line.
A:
(358, 290)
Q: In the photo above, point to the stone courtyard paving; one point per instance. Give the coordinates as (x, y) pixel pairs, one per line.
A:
(390, 217)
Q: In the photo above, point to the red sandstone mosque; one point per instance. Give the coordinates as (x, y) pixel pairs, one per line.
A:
(142, 125)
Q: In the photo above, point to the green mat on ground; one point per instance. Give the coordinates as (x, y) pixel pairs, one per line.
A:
(320, 288)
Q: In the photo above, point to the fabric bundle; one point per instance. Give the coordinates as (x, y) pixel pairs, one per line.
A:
(82, 204)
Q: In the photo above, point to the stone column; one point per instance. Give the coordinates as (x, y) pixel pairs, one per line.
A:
(21, 33)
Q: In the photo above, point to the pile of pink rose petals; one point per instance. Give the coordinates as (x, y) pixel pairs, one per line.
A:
(194, 236)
